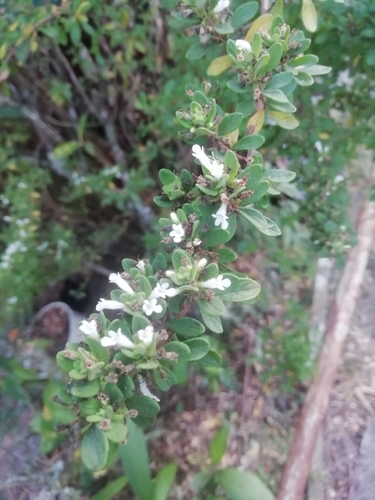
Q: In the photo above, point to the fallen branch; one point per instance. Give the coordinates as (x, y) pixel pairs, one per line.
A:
(295, 474)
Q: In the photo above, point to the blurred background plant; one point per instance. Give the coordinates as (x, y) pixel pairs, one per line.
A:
(89, 91)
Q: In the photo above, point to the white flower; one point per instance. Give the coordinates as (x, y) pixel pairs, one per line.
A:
(198, 152)
(117, 339)
(151, 306)
(89, 328)
(120, 282)
(197, 242)
(243, 45)
(219, 283)
(215, 168)
(221, 5)
(12, 300)
(163, 291)
(141, 265)
(178, 233)
(109, 304)
(202, 263)
(221, 217)
(338, 178)
(169, 273)
(174, 218)
(146, 391)
(146, 336)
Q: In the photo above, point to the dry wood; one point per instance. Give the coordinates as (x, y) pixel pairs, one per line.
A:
(296, 471)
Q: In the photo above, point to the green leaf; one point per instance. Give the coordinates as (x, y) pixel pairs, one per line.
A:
(231, 164)
(196, 51)
(255, 217)
(304, 79)
(218, 445)
(65, 150)
(126, 385)
(117, 433)
(284, 120)
(243, 14)
(309, 16)
(113, 392)
(119, 323)
(179, 348)
(224, 29)
(261, 66)
(259, 191)
(213, 323)
(230, 123)
(64, 363)
(186, 327)
(249, 142)
(164, 482)
(164, 378)
(306, 60)
(275, 53)
(135, 459)
(263, 22)
(162, 201)
(180, 258)
(214, 307)
(198, 348)
(237, 86)
(139, 323)
(128, 264)
(215, 237)
(276, 95)
(86, 389)
(247, 289)
(89, 407)
(99, 352)
(279, 175)
(211, 360)
(280, 80)
(272, 229)
(240, 485)
(226, 255)
(316, 70)
(219, 65)
(277, 8)
(256, 44)
(112, 489)
(166, 176)
(181, 22)
(145, 406)
(94, 449)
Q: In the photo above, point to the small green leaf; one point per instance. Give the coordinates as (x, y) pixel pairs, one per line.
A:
(180, 258)
(261, 66)
(218, 445)
(86, 389)
(145, 406)
(213, 323)
(224, 29)
(230, 123)
(64, 363)
(238, 87)
(214, 307)
(164, 482)
(99, 352)
(304, 79)
(275, 53)
(179, 348)
(211, 360)
(89, 407)
(94, 449)
(166, 176)
(226, 255)
(186, 327)
(65, 150)
(196, 51)
(272, 229)
(243, 14)
(215, 237)
(111, 489)
(276, 95)
(255, 217)
(256, 44)
(259, 191)
(247, 289)
(249, 142)
(280, 80)
(306, 60)
(240, 485)
(279, 175)
(117, 433)
(164, 378)
(198, 348)
(139, 323)
(316, 70)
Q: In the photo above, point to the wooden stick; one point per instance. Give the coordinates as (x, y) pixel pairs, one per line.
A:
(296, 471)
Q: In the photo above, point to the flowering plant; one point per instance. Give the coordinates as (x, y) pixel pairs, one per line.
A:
(164, 306)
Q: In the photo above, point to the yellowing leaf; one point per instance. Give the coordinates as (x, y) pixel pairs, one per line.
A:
(284, 120)
(218, 65)
(256, 121)
(309, 15)
(232, 137)
(277, 8)
(324, 136)
(262, 23)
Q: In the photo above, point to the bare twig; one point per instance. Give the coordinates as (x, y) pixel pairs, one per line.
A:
(295, 474)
